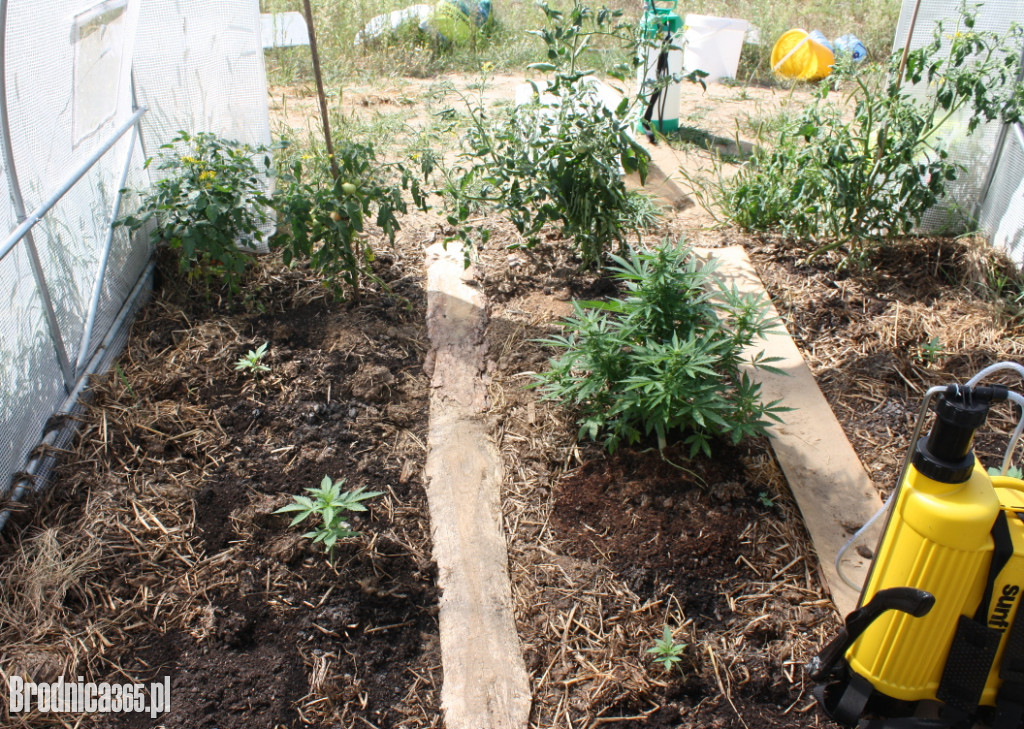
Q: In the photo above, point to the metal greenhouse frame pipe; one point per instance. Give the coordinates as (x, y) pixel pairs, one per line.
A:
(75, 377)
(25, 482)
(101, 272)
(19, 209)
(36, 215)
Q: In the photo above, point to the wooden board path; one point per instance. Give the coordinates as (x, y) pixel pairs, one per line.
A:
(485, 683)
(828, 481)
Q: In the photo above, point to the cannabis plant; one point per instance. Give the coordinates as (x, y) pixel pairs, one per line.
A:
(666, 358)
(666, 651)
(328, 503)
(253, 362)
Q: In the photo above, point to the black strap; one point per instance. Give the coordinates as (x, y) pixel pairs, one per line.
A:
(661, 71)
(1010, 700)
(974, 644)
(966, 671)
(849, 707)
(1001, 554)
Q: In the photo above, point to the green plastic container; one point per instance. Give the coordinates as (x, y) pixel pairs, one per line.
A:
(659, 17)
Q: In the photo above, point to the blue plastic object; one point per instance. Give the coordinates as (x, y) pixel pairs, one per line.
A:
(818, 37)
(850, 44)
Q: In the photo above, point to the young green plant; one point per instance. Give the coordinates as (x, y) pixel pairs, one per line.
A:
(209, 207)
(1012, 472)
(324, 219)
(559, 159)
(328, 504)
(856, 182)
(666, 651)
(666, 358)
(253, 362)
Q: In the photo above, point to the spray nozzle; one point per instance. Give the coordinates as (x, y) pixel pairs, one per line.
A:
(986, 394)
(945, 454)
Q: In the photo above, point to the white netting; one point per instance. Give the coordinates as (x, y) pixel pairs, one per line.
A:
(977, 152)
(1002, 212)
(68, 89)
(69, 66)
(199, 67)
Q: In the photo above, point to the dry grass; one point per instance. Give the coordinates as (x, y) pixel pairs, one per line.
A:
(120, 553)
(866, 336)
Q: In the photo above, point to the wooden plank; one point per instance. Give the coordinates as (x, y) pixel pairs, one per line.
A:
(663, 165)
(828, 481)
(486, 685)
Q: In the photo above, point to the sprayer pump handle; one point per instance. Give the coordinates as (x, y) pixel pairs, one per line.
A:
(905, 599)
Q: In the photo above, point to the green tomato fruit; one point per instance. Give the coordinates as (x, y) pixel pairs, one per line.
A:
(348, 188)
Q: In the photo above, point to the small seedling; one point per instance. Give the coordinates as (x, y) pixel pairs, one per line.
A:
(125, 383)
(930, 351)
(1012, 472)
(329, 504)
(765, 500)
(253, 362)
(666, 651)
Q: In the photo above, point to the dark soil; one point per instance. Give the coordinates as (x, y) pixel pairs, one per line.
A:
(183, 460)
(255, 627)
(658, 525)
(668, 535)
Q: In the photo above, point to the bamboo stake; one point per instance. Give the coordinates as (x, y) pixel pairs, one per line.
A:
(906, 45)
(320, 89)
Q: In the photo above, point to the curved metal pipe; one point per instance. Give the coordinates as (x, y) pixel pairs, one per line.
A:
(19, 208)
(97, 290)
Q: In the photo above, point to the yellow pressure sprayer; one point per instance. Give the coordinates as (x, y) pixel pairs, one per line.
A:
(936, 641)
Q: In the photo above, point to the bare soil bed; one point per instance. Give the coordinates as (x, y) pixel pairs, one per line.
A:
(158, 553)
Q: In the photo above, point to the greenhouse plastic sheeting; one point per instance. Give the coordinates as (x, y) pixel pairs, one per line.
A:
(69, 66)
(966, 200)
(1002, 213)
(68, 89)
(199, 67)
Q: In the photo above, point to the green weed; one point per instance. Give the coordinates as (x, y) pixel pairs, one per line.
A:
(930, 351)
(665, 358)
(125, 382)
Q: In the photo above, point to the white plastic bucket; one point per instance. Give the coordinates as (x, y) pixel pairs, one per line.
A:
(713, 45)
